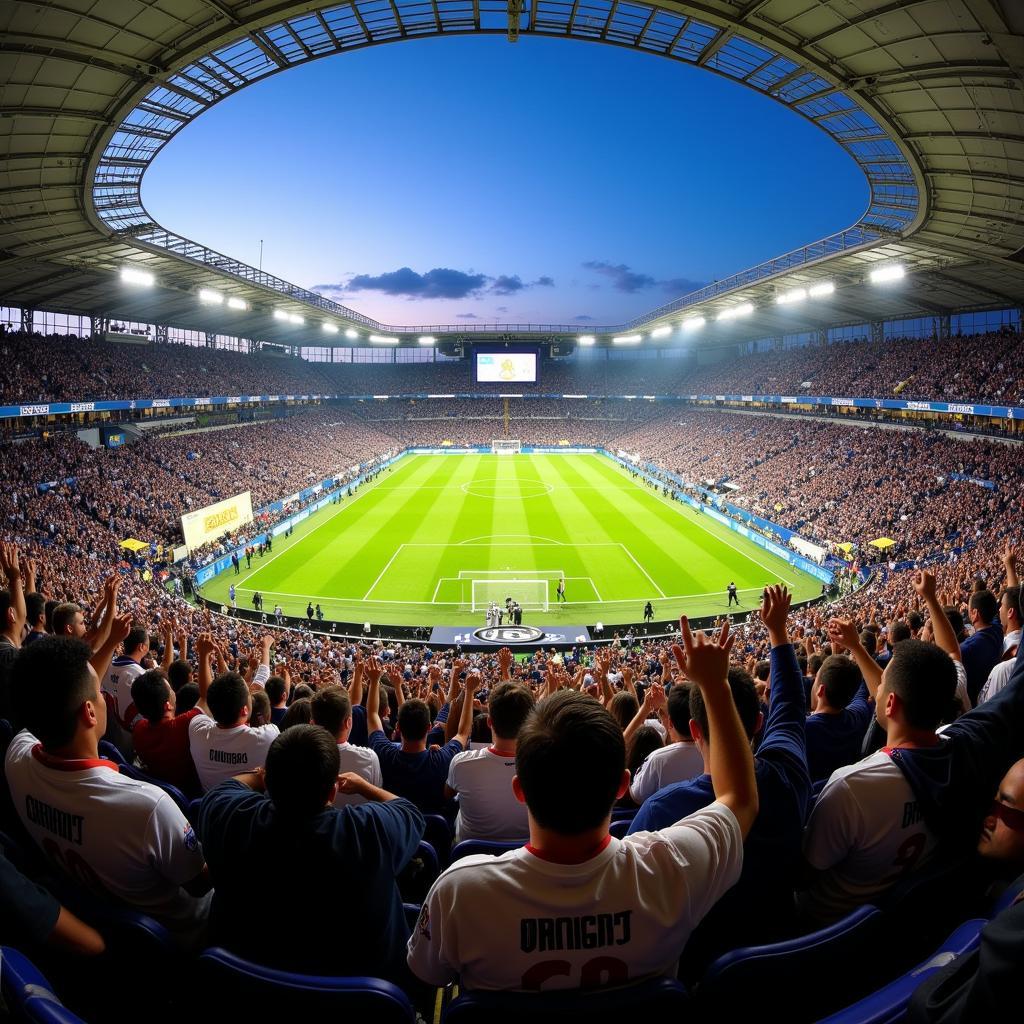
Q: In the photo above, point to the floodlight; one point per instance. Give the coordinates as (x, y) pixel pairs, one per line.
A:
(894, 272)
(744, 309)
(586, 339)
(660, 332)
(794, 295)
(294, 318)
(350, 333)
(280, 314)
(627, 339)
(819, 291)
(427, 339)
(234, 303)
(132, 276)
(380, 339)
(210, 297)
(330, 328)
(693, 323)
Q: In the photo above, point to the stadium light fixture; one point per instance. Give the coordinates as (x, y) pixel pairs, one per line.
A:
(586, 339)
(427, 339)
(693, 323)
(794, 295)
(209, 297)
(744, 309)
(661, 332)
(235, 303)
(280, 314)
(380, 339)
(350, 333)
(330, 328)
(627, 339)
(893, 272)
(819, 291)
(132, 276)
(294, 318)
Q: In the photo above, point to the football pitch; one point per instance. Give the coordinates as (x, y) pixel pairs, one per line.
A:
(435, 534)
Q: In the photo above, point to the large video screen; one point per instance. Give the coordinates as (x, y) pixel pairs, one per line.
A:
(504, 366)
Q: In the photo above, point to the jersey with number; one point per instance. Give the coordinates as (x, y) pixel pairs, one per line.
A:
(118, 683)
(488, 809)
(866, 831)
(362, 761)
(115, 835)
(221, 754)
(675, 763)
(623, 915)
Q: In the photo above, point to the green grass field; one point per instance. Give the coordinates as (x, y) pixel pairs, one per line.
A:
(407, 548)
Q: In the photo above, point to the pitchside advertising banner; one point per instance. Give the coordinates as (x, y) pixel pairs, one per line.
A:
(207, 523)
(493, 637)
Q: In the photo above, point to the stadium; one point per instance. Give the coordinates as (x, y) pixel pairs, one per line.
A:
(581, 634)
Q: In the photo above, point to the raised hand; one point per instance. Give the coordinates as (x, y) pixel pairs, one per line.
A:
(924, 585)
(705, 662)
(775, 605)
(843, 633)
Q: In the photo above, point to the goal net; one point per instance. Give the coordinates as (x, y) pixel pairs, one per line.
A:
(505, 446)
(531, 594)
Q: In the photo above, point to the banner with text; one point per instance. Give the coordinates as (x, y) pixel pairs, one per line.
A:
(207, 523)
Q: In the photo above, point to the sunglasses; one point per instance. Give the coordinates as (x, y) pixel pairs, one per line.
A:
(1011, 817)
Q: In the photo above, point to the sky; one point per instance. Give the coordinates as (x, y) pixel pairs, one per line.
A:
(447, 181)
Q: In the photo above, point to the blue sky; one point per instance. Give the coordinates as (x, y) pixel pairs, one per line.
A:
(549, 181)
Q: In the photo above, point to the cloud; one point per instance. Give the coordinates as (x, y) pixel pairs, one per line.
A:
(624, 279)
(501, 309)
(583, 319)
(545, 282)
(507, 284)
(439, 283)
(465, 316)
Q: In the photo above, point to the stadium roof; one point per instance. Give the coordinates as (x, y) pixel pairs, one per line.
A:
(926, 96)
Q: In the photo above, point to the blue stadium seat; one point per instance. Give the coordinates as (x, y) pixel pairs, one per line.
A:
(620, 828)
(412, 913)
(817, 787)
(469, 847)
(6, 735)
(240, 989)
(889, 1004)
(438, 832)
(419, 874)
(172, 791)
(623, 813)
(27, 993)
(111, 753)
(1007, 899)
(657, 999)
(803, 968)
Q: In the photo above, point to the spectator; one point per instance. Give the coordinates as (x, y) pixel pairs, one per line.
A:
(982, 651)
(679, 759)
(331, 709)
(842, 712)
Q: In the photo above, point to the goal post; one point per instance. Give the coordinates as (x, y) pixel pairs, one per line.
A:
(506, 446)
(531, 594)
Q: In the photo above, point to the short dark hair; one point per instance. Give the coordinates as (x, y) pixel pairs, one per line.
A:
(50, 605)
(923, 676)
(623, 707)
(149, 694)
(915, 620)
(179, 673)
(763, 671)
(301, 767)
(869, 640)
(275, 687)
(744, 695)
(841, 678)
(299, 713)
(814, 663)
(645, 741)
(898, 632)
(63, 615)
(1012, 596)
(226, 696)
(260, 713)
(50, 682)
(508, 705)
(569, 759)
(956, 620)
(35, 607)
(331, 707)
(985, 604)
(679, 708)
(136, 638)
(300, 691)
(186, 698)
(414, 720)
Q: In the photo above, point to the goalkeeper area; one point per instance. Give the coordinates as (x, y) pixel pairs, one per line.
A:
(436, 538)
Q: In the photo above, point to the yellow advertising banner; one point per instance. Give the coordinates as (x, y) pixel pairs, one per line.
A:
(207, 523)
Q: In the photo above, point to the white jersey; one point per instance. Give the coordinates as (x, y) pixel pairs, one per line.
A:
(621, 916)
(363, 761)
(674, 763)
(488, 809)
(118, 683)
(866, 831)
(115, 835)
(997, 679)
(221, 754)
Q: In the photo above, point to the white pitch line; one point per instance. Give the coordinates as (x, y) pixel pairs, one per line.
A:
(661, 592)
(366, 596)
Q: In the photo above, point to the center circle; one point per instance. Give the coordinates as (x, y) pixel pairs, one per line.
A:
(507, 490)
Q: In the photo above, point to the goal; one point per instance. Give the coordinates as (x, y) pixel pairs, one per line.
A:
(505, 446)
(531, 594)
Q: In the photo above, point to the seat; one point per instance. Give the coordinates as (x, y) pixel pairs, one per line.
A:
(623, 813)
(111, 753)
(172, 791)
(240, 989)
(657, 999)
(620, 828)
(419, 874)
(439, 834)
(889, 1004)
(471, 847)
(804, 968)
(27, 993)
